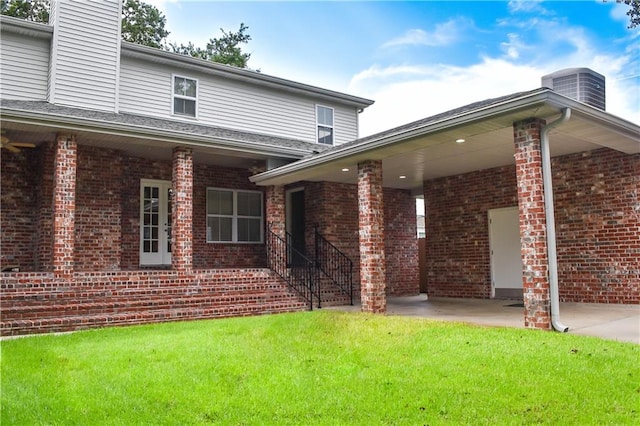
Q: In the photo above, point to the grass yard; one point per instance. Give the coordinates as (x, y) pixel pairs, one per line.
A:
(321, 367)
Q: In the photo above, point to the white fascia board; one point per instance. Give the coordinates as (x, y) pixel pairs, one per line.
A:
(142, 132)
(235, 73)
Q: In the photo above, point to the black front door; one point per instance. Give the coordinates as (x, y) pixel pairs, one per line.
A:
(297, 227)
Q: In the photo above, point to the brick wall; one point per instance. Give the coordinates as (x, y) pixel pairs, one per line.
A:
(209, 255)
(334, 208)
(401, 243)
(107, 217)
(597, 213)
(18, 208)
(597, 206)
(456, 223)
(98, 209)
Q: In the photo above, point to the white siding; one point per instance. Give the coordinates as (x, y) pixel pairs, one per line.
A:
(24, 64)
(145, 88)
(86, 54)
(345, 123)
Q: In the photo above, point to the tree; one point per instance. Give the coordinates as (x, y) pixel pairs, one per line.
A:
(29, 10)
(143, 24)
(633, 13)
(224, 50)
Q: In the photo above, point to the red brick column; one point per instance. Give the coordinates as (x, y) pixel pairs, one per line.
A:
(64, 205)
(535, 274)
(371, 237)
(182, 214)
(275, 207)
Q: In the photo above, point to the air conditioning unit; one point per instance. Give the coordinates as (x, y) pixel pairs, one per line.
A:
(581, 84)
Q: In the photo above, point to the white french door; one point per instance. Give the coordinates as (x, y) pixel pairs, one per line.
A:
(155, 222)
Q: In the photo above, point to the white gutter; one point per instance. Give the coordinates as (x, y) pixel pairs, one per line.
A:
(552, 256)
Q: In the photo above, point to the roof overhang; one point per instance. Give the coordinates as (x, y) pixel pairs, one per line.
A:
(427, 149)
(153, 138)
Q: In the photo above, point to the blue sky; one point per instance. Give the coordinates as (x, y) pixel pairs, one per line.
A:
(420, 58)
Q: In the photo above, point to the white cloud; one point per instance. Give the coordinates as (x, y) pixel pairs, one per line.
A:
(513, 47)
(439, 88)
(527, 6)
(408, 92)
(444, 34)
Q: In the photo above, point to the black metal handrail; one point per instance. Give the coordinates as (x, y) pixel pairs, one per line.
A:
(293, 267)
(334, 264)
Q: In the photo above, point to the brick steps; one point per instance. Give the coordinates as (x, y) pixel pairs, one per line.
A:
(158, 302)
(80, 322)
(41, 303)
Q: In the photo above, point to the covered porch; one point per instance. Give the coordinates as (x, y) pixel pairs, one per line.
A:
(507, 153)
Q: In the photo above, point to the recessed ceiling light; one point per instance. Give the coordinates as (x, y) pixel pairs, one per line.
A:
(345, 170)
(402, 177)
(460, 140)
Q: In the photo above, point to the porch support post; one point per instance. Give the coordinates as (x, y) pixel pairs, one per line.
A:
(182, 210)
(64, 205)
(371, 237)
(533, 227)
(275, 206)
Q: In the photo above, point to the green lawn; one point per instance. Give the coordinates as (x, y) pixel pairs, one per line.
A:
(321, 367)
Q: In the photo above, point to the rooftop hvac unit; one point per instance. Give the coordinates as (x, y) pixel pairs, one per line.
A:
(581, 84)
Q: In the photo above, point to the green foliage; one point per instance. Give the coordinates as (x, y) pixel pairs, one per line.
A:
(224, 50)
(316, 368)
(143, 24)
(633, 13)
(29, 10)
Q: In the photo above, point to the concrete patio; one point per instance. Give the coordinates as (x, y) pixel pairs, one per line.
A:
(614, 322)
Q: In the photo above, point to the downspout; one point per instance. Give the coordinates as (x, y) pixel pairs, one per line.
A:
(550, 219)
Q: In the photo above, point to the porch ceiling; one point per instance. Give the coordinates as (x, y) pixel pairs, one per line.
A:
(428, 152)
(155, 150)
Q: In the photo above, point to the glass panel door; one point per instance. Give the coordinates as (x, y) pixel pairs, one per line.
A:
(155, 222)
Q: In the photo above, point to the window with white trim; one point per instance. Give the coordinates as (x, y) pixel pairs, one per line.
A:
(234, 216)
(324, 119)
(185, 96)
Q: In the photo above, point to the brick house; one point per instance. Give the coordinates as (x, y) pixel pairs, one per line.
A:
(140, 185)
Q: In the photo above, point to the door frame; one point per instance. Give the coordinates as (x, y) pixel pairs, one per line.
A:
(505, 292)
(289, 217)
(163, 257)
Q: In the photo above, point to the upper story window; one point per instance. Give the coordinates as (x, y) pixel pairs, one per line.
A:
(185, 96)
(324, 118)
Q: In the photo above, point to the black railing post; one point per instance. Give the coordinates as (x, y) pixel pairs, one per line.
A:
(298, 275)
(334, 264)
